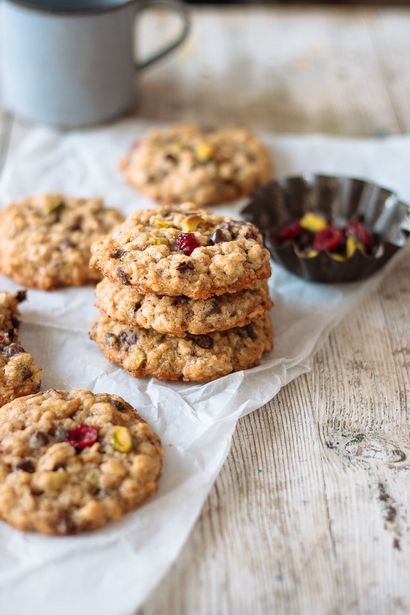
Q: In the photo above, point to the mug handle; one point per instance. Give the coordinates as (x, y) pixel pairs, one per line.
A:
(182, 10)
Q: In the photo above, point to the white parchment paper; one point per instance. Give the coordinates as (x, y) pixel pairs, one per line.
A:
(112, 571)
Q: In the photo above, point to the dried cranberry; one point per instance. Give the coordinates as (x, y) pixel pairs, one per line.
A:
(361, 233)
(328, 239)
(289, 231)
(187, 243)
(82, 436)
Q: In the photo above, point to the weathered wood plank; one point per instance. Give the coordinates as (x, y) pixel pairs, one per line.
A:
(390, 34)
(277, 69)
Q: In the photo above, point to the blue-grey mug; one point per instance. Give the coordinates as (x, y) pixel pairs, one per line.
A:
(71, 63)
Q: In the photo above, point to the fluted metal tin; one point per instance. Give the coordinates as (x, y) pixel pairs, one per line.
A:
(341, 200)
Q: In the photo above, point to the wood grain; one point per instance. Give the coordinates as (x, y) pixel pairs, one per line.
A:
(286, 70)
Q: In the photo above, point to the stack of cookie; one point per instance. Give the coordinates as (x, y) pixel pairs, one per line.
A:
(184, 294)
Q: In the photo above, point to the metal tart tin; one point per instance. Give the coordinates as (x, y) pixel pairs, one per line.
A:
(341, 200)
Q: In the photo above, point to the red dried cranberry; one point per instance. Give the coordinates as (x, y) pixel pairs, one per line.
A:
(82, 436)
(361, 233)
(289, 231)
(186, 243)
(328, 239)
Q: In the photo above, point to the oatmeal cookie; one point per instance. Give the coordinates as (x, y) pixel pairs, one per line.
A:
(197, 358)
(45, 240)
(70, 461)
(19, 375)
(170, 250)
(180, 315)
(187, 163)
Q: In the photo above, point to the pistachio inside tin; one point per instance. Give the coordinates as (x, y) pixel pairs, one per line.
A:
(340, 200)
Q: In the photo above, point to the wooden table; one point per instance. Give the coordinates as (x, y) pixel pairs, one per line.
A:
(310, 514)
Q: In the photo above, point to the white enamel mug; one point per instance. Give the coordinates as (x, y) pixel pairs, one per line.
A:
(70, 63)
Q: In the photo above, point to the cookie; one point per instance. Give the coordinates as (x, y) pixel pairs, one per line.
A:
(170, 250)
(198, 358)
(19, 375)
(70, 461)
(45, 240)
(187, 163)
(180, 315)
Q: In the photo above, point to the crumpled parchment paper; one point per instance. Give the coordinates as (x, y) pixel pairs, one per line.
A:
(112, 571)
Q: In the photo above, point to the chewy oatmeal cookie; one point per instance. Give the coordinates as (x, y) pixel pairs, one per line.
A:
(187, 163)
(197, 358)
(70, 461)
(45, 240)
(180, 315)
(19, 375)
(170, 250)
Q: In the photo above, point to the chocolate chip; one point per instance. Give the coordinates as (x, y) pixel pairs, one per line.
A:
(12, 350)
(75, 227)
(180, 300)
(252, 233)
(217, 236)
(67, 243)
(15, 322)
(137, 306)
(26, 465)
(122, 276)
(21, 295)
(128, 338)
(38, 439)
(110, 339)
(66, 525)
(214, 308)
(26, 373)
(57, 211)
(117, 253)
(118, 405)
(185, 266)
(251, 331)
(203, 341)
(171, 158)
(60, 434)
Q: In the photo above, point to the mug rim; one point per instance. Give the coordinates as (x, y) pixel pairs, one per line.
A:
(64, 13)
